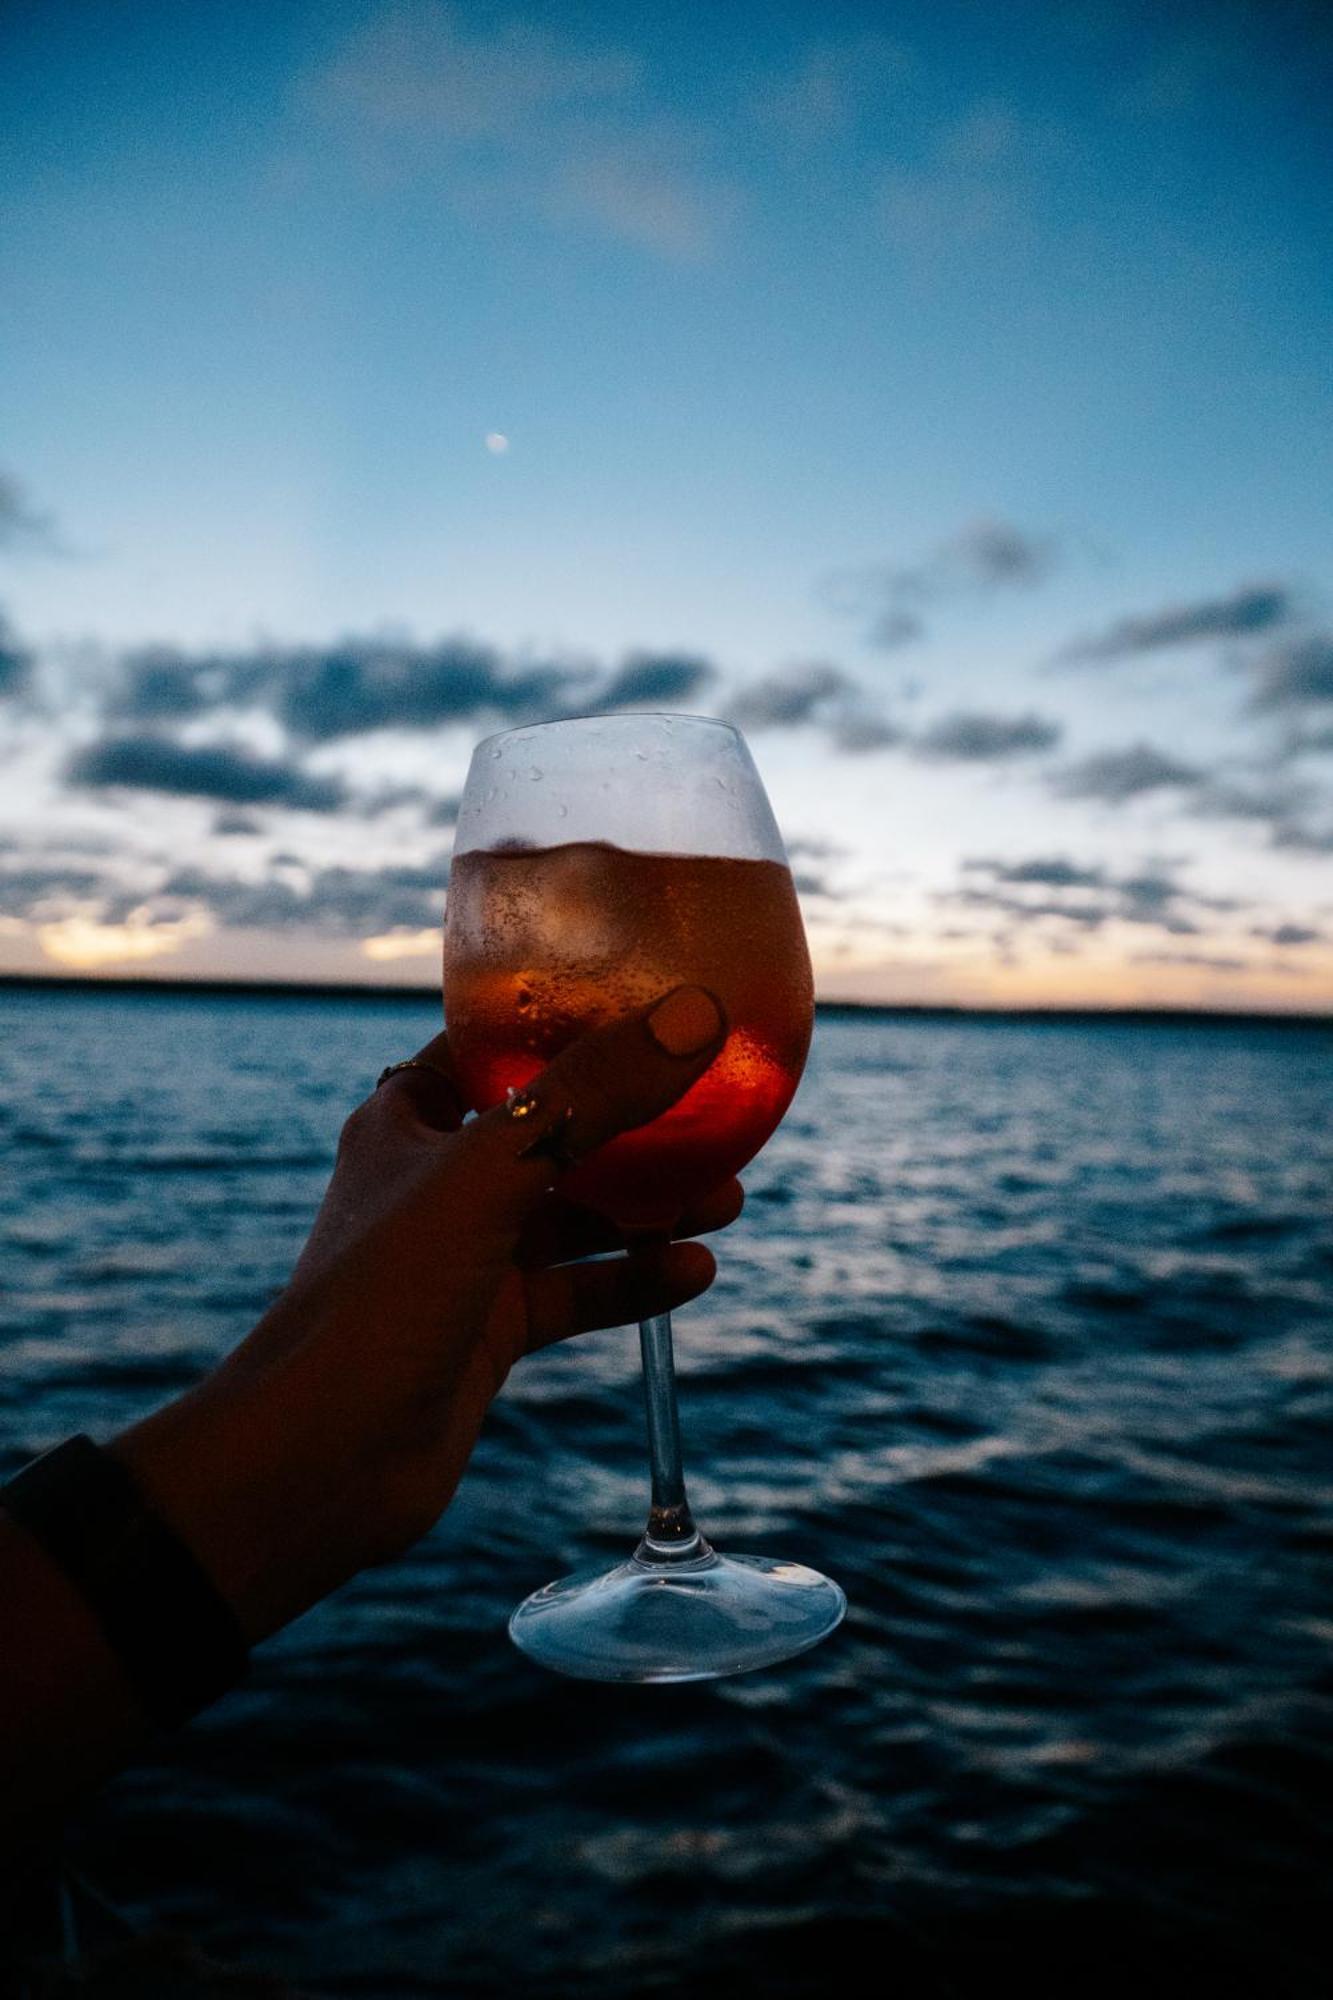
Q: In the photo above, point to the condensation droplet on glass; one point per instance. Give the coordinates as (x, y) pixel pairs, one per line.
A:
(562, 812)
(492, 794)
(496, 754)
(535, 775)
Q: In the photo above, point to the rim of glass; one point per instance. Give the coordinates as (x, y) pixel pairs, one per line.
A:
(620, 715)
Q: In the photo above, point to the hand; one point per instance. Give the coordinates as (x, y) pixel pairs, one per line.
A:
(337, 1432)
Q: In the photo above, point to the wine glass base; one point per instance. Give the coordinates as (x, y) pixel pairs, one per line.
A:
(687, 1621)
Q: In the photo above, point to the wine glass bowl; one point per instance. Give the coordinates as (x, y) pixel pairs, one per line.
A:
(544, 943)
(598, 863)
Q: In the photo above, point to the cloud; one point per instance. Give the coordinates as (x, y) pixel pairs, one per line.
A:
(831, 86)
(321, 694)
(1277, 802)
(1051, 871)
(1152, 896)
(432, 808)
(967, 737)
(980, 180)
(423, 68)
(645, 191)
(1087, 914)
(37, 887)
(353, 690)
(15, 661)
(1295, 674)
(1253, 609)
(400, 943)
(1084, 895)
(548, 121)
(1116, 776)
(859, 730)
(95, 915)
(1288, 808)
(649, 678)
(84, 943)
(814, 882)
(816, 847)
(1288, 936)
(20, 522)
(792, 697)
(161, 684)
(1207, 960)
(986, 556)
(1304, 839)
(815, 695)
(212, 771)
(994, 552)
(339, 901)
(1316, 742)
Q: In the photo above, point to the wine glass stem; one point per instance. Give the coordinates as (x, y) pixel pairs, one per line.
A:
(671, 1536)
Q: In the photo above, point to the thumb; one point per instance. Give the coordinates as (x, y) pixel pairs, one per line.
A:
(605, 1083)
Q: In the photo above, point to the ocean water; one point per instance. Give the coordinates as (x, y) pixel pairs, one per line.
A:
(1024, 1336)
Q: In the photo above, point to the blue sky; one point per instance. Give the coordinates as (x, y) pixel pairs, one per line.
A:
(944, 391)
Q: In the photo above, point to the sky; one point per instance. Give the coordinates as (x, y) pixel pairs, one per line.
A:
(941, 393)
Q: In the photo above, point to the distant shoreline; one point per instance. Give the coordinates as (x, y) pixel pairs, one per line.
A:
(256, 989)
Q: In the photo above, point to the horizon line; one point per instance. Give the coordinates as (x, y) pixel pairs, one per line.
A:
(266, 989)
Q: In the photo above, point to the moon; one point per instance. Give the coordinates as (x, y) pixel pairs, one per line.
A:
(497, 443)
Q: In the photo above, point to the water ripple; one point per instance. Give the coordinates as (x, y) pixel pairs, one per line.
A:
(1024, 1335)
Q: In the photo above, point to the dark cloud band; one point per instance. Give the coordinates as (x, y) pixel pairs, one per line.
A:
(894, 599)
(816, 695)
(969, 737)
(1115, 776)
(204, 771)
(324, 694)
(1249, 611)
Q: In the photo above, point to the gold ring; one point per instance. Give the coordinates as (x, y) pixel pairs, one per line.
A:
(414, 1062)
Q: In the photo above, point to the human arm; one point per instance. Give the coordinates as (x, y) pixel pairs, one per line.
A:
(334, 1436)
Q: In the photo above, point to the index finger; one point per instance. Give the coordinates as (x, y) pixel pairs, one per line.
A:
(428, 1084)
(605, 1083)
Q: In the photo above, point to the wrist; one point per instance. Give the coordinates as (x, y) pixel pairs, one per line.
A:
(231, 1473)
(176, 1637)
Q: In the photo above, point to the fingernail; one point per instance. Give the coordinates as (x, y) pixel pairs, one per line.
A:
(686, 1021)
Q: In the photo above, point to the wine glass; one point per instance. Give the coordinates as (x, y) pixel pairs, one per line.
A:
(599, 862)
